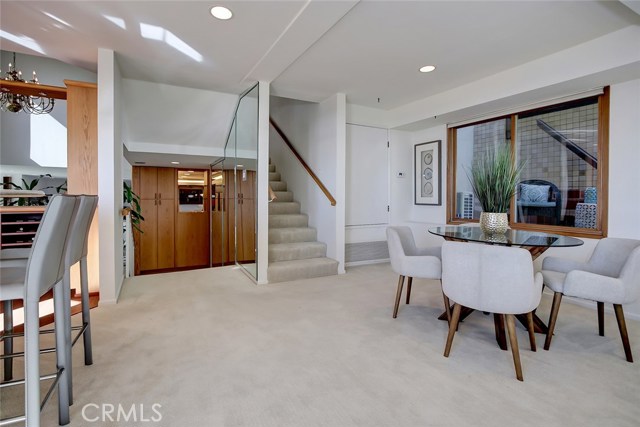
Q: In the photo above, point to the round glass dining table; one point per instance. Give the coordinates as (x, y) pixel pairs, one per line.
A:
(535, 242)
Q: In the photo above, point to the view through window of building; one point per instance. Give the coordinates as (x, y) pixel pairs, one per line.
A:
(561, 185)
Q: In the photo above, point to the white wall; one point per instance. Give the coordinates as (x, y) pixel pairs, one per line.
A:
(317, 131)
(110, 154)
(263, 177)
(170, 119)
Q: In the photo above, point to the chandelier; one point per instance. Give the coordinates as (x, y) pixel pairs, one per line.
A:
(14, 102)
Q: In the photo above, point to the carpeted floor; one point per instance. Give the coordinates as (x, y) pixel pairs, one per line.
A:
(209, 348)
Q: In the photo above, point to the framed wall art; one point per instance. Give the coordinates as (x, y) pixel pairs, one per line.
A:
(427, 171)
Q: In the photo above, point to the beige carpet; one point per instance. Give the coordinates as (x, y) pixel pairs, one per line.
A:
(215, 350)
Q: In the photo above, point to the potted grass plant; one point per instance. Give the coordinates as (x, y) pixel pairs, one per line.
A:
(494, 178)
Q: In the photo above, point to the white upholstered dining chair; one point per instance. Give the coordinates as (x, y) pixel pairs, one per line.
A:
(494, 279)
(611, 275)
(407, 260)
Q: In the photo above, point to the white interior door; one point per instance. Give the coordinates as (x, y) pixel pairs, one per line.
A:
(367, 176)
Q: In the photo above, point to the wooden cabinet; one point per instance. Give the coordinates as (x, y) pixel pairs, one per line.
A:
(155, 247)
(19, 225)
(192, 219)
(241, 219)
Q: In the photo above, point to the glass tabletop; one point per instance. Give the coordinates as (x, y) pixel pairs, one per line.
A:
(510, 238)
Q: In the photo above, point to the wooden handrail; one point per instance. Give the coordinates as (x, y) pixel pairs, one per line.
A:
(303, 163)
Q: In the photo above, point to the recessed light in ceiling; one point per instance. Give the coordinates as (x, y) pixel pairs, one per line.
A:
(427, 68)
(140, 163)
(221, 12)
(175, 163)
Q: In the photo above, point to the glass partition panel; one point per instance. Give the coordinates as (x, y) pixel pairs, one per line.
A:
(246, 180)
(234, 190)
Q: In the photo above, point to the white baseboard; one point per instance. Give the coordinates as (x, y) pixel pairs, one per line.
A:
(368, 262)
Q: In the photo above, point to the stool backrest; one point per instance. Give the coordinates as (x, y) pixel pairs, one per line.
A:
(79, 232)
(45, 266)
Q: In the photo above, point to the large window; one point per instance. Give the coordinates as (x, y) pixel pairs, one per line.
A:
(562, 187)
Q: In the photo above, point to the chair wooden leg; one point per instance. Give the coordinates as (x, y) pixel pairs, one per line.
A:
(623, 331)
(513, 341)
(601, 318)
(455, 317)
(398, 294)
(8, 341)
(447, 307)
(409, 288)
(532, 335)
(555, 307)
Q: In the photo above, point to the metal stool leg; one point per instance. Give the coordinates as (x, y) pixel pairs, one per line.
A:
(86, 317)
(62, 351)
(8, 341)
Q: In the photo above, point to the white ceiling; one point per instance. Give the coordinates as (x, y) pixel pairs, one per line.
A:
(310, 49)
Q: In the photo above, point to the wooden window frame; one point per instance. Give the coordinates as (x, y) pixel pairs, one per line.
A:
(602, 181)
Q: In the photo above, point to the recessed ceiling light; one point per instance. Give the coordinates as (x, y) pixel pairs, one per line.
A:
(221, 12)
(175, 163)
(427, 68)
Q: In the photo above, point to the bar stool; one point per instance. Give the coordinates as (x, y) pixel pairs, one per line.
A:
(76, 252)
(44, 271)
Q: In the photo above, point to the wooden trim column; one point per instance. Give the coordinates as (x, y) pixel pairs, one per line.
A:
(82, 161)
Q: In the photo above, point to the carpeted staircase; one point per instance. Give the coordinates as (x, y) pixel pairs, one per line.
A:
(294, 252)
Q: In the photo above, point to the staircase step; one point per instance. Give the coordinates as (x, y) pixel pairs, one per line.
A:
(277, 208)
(290, 220)
(292, 235)
(284, 271)
(283, 196)
(278, 185)
(274, 176)
(292, 251)
(272, 168)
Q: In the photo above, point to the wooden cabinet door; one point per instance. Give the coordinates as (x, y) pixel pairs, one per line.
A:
(166, 183)
(247, 231)
(148, 182)
(148, 239)
(166, 234)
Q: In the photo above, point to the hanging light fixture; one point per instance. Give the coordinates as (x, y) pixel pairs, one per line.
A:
(14, 102)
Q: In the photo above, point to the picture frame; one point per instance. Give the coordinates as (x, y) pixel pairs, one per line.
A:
(427, 161)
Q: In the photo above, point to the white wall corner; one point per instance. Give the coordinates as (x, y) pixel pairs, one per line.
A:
(110, 178)
(263, 182)
(341, 172)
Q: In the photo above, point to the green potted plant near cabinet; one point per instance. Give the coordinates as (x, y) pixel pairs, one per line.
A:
(132, 206)
(494, 178)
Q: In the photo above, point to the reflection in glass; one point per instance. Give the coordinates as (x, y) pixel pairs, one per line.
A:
(558, 182)
(472, 142)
